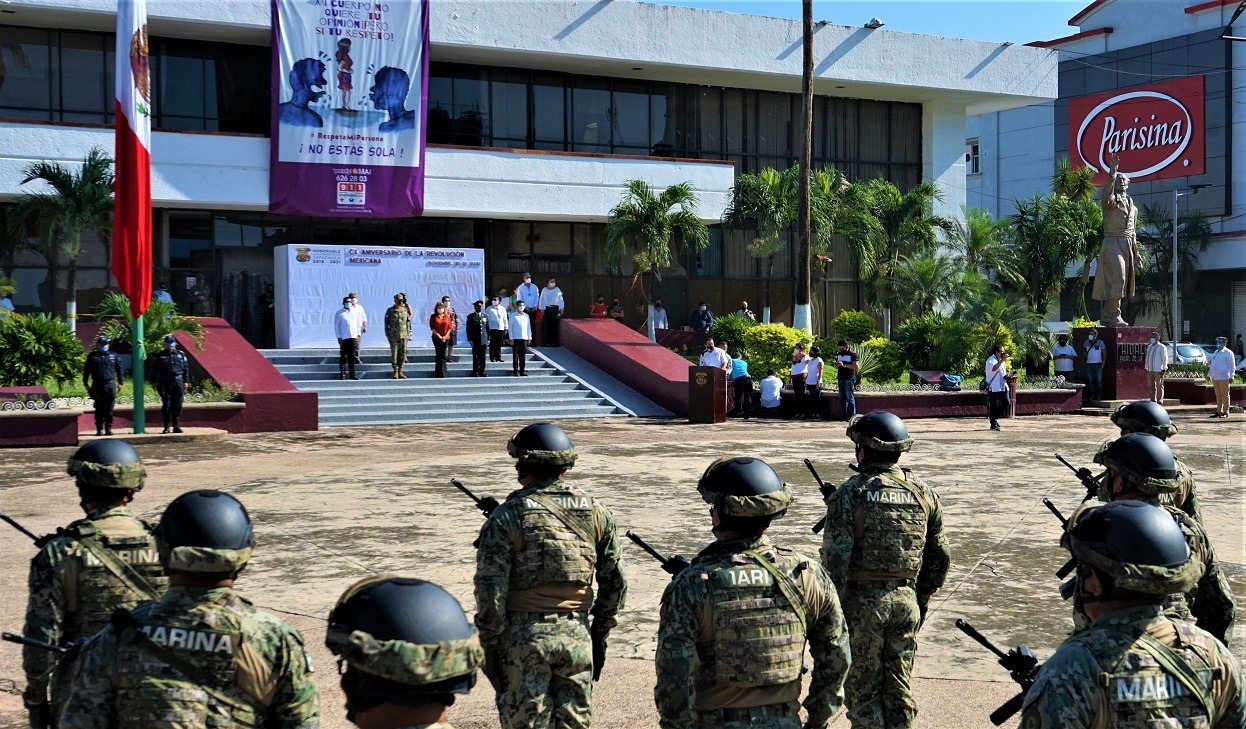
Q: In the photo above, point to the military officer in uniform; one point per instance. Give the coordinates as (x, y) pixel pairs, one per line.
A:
(89, 569)
(536, 562)
(170, 370)
(1141, 467)
(1135, 665)
(885, 550)
(478, 336)
(1151, 418)
(398, 332)
(734, 624)
(102, 376)
(407, 648)
(202, 655)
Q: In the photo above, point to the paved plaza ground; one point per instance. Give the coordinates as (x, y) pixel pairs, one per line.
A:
(334, 506)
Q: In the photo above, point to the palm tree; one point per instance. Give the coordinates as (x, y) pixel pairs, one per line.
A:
(1049, 233)
(981, 240)
(1001, 314)
(159, 320)
(649, 223)
(1076, 184)
(922, 282)
(904, 224)
(79, 201)
(768, 201)
(1153, 281)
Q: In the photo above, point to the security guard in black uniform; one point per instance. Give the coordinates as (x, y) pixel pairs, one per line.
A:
(170, 371)
(101, 376)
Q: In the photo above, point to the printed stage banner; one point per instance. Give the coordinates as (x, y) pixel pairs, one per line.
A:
(350, 85)
(310, 281)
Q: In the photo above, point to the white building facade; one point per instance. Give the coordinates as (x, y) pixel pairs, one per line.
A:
(539, 112)
(1144, 49)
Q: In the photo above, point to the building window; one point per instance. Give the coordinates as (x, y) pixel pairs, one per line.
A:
(972, 166)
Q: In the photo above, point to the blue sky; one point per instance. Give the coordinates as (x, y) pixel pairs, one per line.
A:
(1019, 21)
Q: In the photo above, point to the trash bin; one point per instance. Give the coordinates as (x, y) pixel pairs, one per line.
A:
(707, 395)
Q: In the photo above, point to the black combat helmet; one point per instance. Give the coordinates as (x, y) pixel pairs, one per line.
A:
(406, 638)
(107, 463)
(205, 531)
(744, 487)
(1144, 460)
(1137, 545)
(880, 431)
(1144, 416)
(542, 444)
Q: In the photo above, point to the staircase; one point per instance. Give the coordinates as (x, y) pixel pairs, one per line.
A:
(547, 393)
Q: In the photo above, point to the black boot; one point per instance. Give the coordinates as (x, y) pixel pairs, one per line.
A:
(108, 429)
(177, 427)
(166, 428)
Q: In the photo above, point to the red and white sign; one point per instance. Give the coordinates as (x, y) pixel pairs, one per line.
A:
(1157, 129)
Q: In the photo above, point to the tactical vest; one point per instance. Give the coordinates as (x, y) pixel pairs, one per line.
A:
(890, 532)
(759, 637)
(553, 551)
(153, 691)
(1141, 693)
(96, 591)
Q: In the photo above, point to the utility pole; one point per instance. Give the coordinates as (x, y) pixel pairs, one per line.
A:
(801, 318)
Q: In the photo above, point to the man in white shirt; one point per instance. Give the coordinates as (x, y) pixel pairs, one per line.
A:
(660, 320)
(519, 336)
(496, 319)
(996, 385)
(551, 304)
(1063, 356)
(1156, 365)
(357, 311)
(1220, 369)
(813, 384)
(800, 361)
(771, 385)
(1096, 355)
(528, 293)
(347, 328)
(712, 356)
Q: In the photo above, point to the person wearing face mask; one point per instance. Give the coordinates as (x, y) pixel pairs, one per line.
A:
(1156, 365)
(519, 336)
(102, 376)
(348, 329)
(478, 336)
(454, 328)
(441, 326)
(496, 319)
(528, 293)
(660, 318)
(702, 319)
(1096, 355)
(1220, 370)
(398, 332)
(1063, 356)
(357, 311)
(598, 309)
(616, 311)
(551, 304)
(170, 373)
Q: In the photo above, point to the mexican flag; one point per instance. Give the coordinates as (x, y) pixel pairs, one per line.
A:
(131, 237)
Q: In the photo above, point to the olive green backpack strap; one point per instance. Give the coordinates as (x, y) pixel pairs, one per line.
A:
(786, 585)
(1178, 667)
(574, 524)
(89, 539)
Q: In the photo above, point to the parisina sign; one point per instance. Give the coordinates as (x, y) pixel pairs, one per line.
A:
(1157, 129)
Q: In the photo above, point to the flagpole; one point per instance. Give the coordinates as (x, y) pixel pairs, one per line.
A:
(138, 362)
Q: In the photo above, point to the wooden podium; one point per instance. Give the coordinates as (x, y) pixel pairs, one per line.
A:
(707, 395)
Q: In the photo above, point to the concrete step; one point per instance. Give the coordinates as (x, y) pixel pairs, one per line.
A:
(474, 415)
(387, 374)
(504, 387)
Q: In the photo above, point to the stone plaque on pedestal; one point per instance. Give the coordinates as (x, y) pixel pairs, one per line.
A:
(707, 395)
(1124, 371)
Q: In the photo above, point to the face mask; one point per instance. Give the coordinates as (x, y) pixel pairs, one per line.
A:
(1219, 345)
(171, 345)
(527, 280)
(1093, 337)
(346, 305)
(103, 347)
(1152, 340)
(520, 310)
(445, 303)
(703, 308)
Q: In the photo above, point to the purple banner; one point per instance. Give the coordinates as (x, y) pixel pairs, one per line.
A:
(350, 84)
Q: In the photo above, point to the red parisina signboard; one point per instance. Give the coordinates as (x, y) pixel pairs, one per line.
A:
(1157, 129)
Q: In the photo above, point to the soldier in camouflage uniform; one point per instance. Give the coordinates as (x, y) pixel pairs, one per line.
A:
(407, 649)
(1151, 418)
(537, 556)
(88, 569)
(734, 624)
(398, 331)
(1135, 666)
(885, 550)
(1141, 467)
(201, 656)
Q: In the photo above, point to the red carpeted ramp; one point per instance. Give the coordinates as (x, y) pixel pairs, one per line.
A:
(629, 357)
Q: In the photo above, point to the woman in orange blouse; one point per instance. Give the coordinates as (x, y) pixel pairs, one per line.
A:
(441, 325)
(598, 308)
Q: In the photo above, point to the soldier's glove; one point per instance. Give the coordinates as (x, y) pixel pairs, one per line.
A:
(40, 715)
(676, 564)
(488, 504)
(493, 669)
(923, 603)
(599, 655)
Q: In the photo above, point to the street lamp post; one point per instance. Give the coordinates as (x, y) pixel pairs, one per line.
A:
(1178, 193)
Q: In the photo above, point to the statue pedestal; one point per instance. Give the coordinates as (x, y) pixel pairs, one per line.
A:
(1124, 371)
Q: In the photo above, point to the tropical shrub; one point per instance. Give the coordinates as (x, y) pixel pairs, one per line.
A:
(855, 326)
(37, 348)
(730, 329)
(771, 345)
(1083, 323)
(920, 339)
(160, 320)
(888, 359)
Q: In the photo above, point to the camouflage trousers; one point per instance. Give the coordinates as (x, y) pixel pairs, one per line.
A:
(882, 631)
(760, 717)
(397, 353)
(547, 667)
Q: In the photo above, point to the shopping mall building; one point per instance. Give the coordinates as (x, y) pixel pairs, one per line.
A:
(538, 112)
(1154, 80)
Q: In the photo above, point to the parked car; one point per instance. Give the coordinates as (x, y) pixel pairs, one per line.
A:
(1186, 353)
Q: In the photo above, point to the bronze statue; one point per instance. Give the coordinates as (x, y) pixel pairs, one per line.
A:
(1119, 256)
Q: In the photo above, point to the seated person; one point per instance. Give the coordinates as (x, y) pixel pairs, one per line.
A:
(770, 401)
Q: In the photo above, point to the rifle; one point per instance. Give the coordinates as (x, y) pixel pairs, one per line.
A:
(671, 565)
(824, 488)
(486, 505)
(23, 640)
(1083, 475)
(1066, 589)
(38, 540)
(1021, 664)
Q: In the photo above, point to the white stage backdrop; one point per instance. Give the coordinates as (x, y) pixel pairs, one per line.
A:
(311, 281)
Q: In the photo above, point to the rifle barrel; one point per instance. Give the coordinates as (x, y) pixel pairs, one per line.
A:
(459, 485)
(972, 632)
(11, 522)
(1052, 508)
(23, 640)
(816, 477)
(643, 545)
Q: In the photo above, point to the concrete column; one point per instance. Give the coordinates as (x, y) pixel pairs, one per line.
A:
(943, 153)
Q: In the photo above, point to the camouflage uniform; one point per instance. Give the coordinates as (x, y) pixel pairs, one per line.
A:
(731, 645)
(197, 658)
(885, 551)
(1184, 498)
(73, 591)
(1210, 603)
(534, 575)
(1104, 676)
(397, 331)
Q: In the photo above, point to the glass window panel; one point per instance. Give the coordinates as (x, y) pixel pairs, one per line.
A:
(737, 261)
(843, 131)
(733, 118)
(510, 108)
(590, 116)
(471, 109)
(906, 133)
(380, 231)
(663, 110)
(629, 117)
(821, 125)
(708, 262)
(711, 123)
(440, 108)
(875, 131)
(28, 66)
(548, 112)
(551, 239)
(334, 231)
(589, 248)
(190, 239)
(82, 73)
(283, 230)
(425, 233)
(461, 233)
(239, 229)
(241, 77)
(181, 86)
